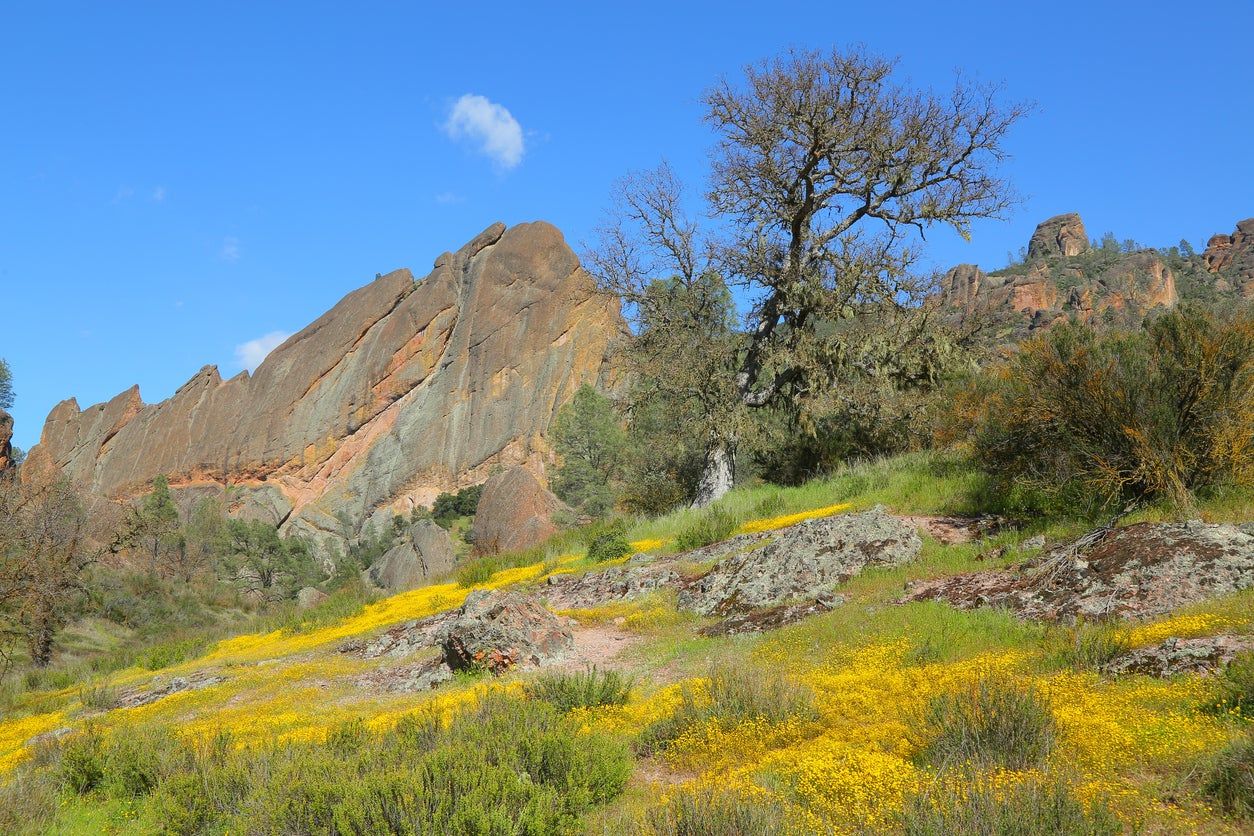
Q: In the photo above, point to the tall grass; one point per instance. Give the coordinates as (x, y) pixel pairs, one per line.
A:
(707, 811)
(1033, 807)
(991, 722)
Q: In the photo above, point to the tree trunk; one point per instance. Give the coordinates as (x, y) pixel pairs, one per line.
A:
(718, 474)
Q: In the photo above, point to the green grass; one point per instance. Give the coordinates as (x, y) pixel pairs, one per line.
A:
(1229, 781)
(993, 722)
(1036, 807)
(586, 689)
(712, 812)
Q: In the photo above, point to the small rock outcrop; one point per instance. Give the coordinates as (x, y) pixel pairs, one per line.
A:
(802, 562)
(1174, 656)
(515, 512)
(425, 552)
(309, 596)
(6, 441)
(1060, 235)
(500, 630)
(1139, 571)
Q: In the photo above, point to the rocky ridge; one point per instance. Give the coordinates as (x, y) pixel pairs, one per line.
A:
(402, 390)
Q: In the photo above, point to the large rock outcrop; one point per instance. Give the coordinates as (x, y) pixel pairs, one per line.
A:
(402, 390)
(1139, 571)
(515, 512)
(1060, 235)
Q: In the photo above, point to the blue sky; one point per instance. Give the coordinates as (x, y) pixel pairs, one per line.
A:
(178, 182)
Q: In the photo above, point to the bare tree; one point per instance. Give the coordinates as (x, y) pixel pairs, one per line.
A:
(43, 553)
(825, 177)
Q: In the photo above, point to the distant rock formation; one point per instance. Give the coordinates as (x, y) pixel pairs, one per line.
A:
(1064, 278)
(401, 391)
(1233, 257)
(425, 552)
(1060, 235)
(6, 441)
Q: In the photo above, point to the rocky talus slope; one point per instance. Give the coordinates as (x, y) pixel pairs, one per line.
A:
(402, 390)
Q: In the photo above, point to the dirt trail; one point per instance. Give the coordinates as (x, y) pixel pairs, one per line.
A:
(600, 645)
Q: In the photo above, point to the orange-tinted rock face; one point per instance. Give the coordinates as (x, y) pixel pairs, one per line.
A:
(515, 512)
(1233, 255)
(402, 390)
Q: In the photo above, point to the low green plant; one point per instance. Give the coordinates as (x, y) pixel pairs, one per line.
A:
(713, 812)
(100, 696)
(1088, 646)
(1234, 688)
(712, 526)
(173, 652)
(81, 767)
(1229, 781)
(1033, 807)
(992, 722)
(478, 571)
(730, 695)
(586, 689)
(609, 545)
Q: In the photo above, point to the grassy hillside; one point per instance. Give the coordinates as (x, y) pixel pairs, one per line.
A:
(830, 725)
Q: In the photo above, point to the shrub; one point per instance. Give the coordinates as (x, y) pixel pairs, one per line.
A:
(581, 690)
(1088, 646)
(1033, 807)
(169, 653)
(1234, 687)
(1077, 421)
(712, 812)
(1229, 782)
(449, 506)
(609, 545)
(729, 696)
(82, 761)
(28, 802)
(993, 721)
(711, 526)
(98, 695)
(478, 571)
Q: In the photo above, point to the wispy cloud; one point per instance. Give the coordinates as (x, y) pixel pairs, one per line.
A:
(230, 250)
(158, 194)
(250, 354)
(448, 198)
(489, 125)
(123, 193)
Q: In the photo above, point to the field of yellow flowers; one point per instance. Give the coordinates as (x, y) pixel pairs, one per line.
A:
(847, 767)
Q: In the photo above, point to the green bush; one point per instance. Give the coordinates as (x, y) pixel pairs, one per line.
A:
(1034, 807)
(98, 695)
(1229, 781)
(993, 721)
(450, 506)
(588, 689)
(731, 695)
(82, 765)
(28, 802)
(478, 571)
(713, 525)
(1234, 688)
(609, 545)
(169, 653)
(504, 766)
(712, 812)
(1077, 421)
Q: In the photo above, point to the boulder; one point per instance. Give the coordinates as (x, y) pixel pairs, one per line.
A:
(1174, 656)
(1139, 571)
(425, 551)
(515, 512)
(803, 562)
(500, 630)
(309, 596)
(1060, 235)
(408, 387)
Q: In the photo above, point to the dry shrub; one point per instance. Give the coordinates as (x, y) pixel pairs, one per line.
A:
(1081, 421)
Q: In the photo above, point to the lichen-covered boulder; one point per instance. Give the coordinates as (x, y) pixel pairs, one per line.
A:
(1139, 571)
(500, 630)
(805, 561)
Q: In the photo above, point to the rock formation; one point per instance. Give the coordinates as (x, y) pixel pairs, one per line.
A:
(1233, 257)
(496, 631)
(6, 441)
(806, 561)
(425, 552)
(1060, 235)
(1140, 571)
(401, 391)
(515, 512)
(1065, 279)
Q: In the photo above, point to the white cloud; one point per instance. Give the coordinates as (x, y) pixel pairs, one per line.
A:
(447, 198)
(490, 125)
(158, 194)
(230, 249)
(250, 354)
